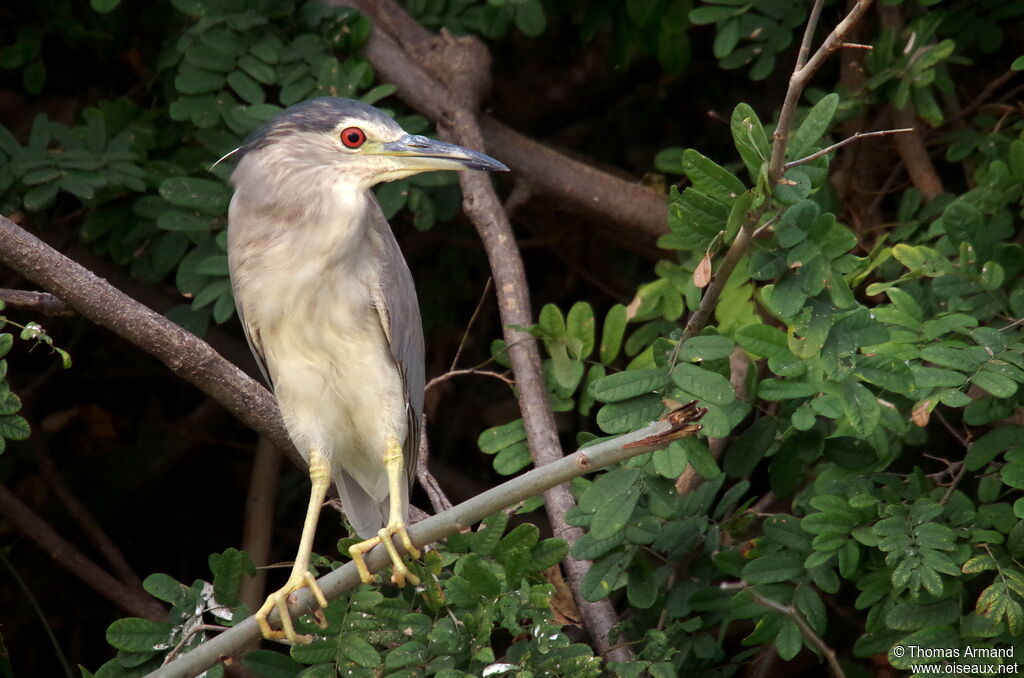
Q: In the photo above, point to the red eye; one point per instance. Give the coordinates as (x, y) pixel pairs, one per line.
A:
(353, 137)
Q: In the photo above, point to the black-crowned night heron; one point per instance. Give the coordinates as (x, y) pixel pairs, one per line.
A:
(330, 311)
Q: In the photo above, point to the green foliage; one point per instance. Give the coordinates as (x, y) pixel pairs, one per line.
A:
(751, 33)
(12, 425)
(489, 580)
(855, 348)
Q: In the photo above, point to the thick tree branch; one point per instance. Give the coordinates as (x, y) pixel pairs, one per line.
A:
(467, 513)
(130, 600)
(568, 182)
(185, 354)
(453, 78)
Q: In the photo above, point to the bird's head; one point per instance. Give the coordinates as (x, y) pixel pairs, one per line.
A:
(353, 143)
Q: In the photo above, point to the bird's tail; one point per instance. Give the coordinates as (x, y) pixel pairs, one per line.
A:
(366, 515)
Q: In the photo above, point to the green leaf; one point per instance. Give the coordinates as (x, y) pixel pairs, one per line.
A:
(204, 195)
(789, 641)
(994, 383)
(176, 220)
(922, 260)
(772, 569)
(229, 570)
(612, 333)
(750, 139)
(134, 634)
(986, 448)
(579, 327)
(703, 384)
(192, 80)
(497, 438)
(247, 88)
(628, 384)
(615, 510)
(699, 457)
(813, 127)
(603, 576)
(747, 450)
(671, 461)
(529, 18)
(763, 341)
(780, 389)
(164, 587)
(860, 407)
(551, 322)
(358, 650)
(14, 427)
(706, 347)
(269, 664)
(710, 178)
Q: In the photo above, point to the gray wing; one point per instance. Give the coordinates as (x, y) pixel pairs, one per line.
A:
(253, 339)
(400, 317)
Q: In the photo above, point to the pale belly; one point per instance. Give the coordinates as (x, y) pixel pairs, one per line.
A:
(344, 402)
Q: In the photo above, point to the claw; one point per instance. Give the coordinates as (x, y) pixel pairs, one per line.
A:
(400, 572)
(279, 599)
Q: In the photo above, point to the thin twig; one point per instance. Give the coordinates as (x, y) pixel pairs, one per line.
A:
(438, 499)
(825, 151)
(26, 521)
(55, 646)
(259, 517)
(81, 515)
(798, 619)
(469, 325)
(458, 373)
(39, 302)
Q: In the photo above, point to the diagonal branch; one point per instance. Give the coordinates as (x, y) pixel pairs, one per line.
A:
(446, 78)
(578, 186)
(654, 436)
(133, 601)
(185, 354)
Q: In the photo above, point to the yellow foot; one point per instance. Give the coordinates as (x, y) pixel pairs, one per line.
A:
(279, 599)
(399, 572)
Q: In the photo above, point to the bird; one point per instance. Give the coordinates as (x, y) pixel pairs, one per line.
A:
(329, 309)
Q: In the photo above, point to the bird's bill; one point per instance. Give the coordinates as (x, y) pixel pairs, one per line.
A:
(423, 153)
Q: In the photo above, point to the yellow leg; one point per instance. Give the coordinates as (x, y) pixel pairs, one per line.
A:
(320, 475)
(394, 465)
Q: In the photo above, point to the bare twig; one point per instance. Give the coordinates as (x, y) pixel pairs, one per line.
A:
(428, 531)
(438, 499)
(459, 373)
(26, 521)
(828, 149)
(798, 619)
(54, 644)
(81, 515)
(259, 517)
(39, 302)
(469, 325)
